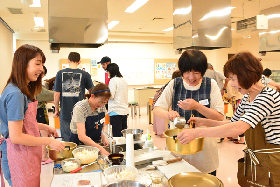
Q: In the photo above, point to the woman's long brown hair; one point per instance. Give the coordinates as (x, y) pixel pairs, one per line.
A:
(18, 76)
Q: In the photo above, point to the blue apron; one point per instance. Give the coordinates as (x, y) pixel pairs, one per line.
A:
(91, 130)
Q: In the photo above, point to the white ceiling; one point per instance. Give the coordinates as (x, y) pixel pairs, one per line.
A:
(143, 22)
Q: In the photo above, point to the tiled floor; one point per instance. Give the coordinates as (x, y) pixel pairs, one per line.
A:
(229, 153)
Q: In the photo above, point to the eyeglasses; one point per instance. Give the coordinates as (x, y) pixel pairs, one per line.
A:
(101, 102)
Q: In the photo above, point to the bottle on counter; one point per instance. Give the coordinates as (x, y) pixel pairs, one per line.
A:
(149, 143)
(148, 133)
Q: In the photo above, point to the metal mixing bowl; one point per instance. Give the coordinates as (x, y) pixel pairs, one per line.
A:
(126, 184)
(137, 133)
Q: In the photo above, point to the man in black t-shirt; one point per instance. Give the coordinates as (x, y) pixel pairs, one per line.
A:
(69, 87)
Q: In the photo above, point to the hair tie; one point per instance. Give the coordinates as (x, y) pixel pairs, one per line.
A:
(100, 91)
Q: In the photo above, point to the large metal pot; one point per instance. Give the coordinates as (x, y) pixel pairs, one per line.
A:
(194, 179)
(175, 146)
(60, 155)
(137, 133)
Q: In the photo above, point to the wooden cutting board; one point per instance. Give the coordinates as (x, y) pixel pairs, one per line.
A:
(176, 167)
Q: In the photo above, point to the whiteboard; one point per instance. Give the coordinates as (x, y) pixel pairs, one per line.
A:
(136, 71)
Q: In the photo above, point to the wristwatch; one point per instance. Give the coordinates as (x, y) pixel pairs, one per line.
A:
(224, 89)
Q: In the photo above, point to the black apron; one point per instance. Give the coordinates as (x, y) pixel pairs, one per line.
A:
(93, 129)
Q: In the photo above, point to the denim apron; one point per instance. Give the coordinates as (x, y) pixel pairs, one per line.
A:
(93, 129)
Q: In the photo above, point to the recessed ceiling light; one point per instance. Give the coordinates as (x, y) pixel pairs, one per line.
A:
(169, 29)
(112, 24)
(183, 10)
(137, 4)
(36, 3)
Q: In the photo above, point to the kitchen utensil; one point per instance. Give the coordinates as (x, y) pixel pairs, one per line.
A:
(87, 154)
(175, 146)
(194, 179)
(137, 133)
(126, 183)
(180, 120)
(162, 163)
(70, 164)
(115, 174)
(60, 155)
(116, 158)
(80, 168)
(192, 125)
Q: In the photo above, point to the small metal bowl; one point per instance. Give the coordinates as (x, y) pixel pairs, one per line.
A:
(137, 133)
(126, 183)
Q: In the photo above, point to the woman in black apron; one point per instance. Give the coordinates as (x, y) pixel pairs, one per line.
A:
(88, 117)
(258, 114)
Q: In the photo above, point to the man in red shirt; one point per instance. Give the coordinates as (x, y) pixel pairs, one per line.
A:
(104, 62)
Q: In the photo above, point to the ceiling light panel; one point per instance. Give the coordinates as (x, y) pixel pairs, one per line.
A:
(39, 21)
(112, 24)
(169, 29)
(137, 4)
(36, 3)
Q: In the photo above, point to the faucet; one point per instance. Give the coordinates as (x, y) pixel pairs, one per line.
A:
(112, 142)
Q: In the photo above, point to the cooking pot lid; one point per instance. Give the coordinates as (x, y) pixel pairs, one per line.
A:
(194, 179)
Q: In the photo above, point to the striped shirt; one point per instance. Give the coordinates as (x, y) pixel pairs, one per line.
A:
(81, 111)
(265, 108)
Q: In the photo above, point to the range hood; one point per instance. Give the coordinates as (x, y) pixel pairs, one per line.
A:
(269, 39)
(78, 23)
(195, 27)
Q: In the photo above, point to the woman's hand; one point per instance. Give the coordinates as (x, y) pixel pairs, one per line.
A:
(198, 121)
(187, 135)
(172, 115)
(188, 104)
(52, 132)
(56, 145)
(103, 151)
(105, 141)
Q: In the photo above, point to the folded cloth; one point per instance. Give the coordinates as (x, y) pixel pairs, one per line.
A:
(47, 161)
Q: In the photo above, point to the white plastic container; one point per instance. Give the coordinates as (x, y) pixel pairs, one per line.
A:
(149, 143)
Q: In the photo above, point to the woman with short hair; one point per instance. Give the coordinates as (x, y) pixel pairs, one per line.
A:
(257, 115)
(197, 95)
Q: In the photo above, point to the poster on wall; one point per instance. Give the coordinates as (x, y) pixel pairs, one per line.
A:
(84, 67)
(160, 70)
(94, 67)
(170, 67)
(65, 66)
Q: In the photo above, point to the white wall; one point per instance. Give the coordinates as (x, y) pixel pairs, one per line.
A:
(6, 54)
